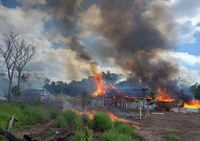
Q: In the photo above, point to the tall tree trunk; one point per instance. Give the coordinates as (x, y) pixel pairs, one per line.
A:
(9, 90)
(19, 78)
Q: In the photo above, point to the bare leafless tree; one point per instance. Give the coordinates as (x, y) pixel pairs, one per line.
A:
(28, 51)
(11, 52)
(16, 54)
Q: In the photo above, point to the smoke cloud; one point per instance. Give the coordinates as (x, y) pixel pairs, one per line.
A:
(137, 31)
(66, 13)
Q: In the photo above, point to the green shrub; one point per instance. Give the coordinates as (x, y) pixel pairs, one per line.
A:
(102, 122)
(84, 135)
(26, 114)
(52, 131)
(16, 91)
(173, 137)
(34, 114)
(69, 117)
(53, 113)
(128, 130)
(60, 121)
(114, 135)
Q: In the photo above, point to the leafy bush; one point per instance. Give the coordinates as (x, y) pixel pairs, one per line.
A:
(173, 137)
(128, 130)
(52, 131)
(16, 91)
(53, 113)
(114, 135)
(102, 122)
(69, 117)
(84, 135)
(26, 114)
(34, 114)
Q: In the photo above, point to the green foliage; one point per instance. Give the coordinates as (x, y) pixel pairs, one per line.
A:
(26, 114)
(128, 130)
(173, 137)
(52, 131)
(114, 135)
(53, 113)
(60, 120)
(83, 135)
(16, 91)
(102, 122)
(34, 114)
(196, 90)
(69, 117)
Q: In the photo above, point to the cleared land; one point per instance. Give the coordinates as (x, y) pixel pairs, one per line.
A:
(185, 125)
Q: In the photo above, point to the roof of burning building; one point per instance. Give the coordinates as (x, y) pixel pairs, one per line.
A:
(134, 92)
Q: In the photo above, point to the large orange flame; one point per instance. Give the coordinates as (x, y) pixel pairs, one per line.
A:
(163, 96)
(193, 104)
(101, 87)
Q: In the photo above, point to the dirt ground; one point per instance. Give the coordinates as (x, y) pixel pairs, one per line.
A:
(185, 125)
(153, 128)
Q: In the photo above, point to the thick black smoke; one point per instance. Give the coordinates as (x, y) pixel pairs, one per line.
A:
(65, 13)
(140, 30)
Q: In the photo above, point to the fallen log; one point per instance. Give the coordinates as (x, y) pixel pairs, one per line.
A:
(8, 135)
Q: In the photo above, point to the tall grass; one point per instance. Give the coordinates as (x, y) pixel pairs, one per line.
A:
(102, 122)
(69, 118)
(128, 130)
(83, 135)
(26, 114)
(114, 135)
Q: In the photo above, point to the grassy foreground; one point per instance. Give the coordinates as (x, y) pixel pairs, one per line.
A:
(100, 128)
(26, 114)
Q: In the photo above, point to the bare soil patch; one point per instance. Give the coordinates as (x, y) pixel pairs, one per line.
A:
(185, 125)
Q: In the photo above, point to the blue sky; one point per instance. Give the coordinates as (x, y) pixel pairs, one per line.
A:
(191, 48)
(14, 16)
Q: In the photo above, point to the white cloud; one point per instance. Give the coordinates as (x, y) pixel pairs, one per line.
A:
(187, 16)
(186, 58)
(56, 64)
(189, 65)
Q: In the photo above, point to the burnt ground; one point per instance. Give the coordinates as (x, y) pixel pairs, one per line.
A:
(185, 125)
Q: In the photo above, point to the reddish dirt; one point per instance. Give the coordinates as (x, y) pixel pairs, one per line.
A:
(185, 125)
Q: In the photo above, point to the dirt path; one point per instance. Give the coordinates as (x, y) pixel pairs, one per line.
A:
(187, 126)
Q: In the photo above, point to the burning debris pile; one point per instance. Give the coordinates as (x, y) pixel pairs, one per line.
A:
(192, 104)
(163, 96)
(122, 97)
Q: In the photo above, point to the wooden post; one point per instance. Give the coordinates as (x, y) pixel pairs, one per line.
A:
(140, 109)
(147, 108)
(143, 108)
